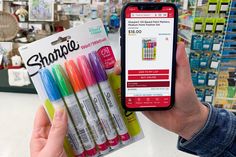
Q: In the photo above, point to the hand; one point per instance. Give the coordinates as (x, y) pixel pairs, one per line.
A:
(47, 140)
(188, 115)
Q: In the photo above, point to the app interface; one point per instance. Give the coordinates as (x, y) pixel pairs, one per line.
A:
(148, 50)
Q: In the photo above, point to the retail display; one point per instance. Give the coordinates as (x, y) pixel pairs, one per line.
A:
(26, 21)
(207, 28)
(75, 72)
(226, 92)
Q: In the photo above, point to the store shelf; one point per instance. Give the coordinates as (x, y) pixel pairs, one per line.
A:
(5, 87)
(225, 98)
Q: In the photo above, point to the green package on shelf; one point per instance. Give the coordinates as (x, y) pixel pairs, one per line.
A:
(223, 6)
(198, 24)
(209, 25)
(219, 25)
(212, 6)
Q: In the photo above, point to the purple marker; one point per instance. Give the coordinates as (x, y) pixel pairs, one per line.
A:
(110, 100)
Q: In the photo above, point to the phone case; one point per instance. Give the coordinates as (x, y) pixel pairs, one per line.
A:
(122, 44)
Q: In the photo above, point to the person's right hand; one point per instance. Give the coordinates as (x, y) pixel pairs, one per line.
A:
(188, 115)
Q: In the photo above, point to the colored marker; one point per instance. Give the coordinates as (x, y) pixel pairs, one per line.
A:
(152, 48)
(87, 106)
(146, 45)
(98, 101)
(102, 80)
(74, 110)
(57, 102)
(143, 50)
(149, 50)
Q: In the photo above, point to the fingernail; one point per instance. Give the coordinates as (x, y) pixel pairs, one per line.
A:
(59, 113)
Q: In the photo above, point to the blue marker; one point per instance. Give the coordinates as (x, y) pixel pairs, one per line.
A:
(57, 102)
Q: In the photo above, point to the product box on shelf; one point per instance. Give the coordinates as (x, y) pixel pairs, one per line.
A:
(73, 69)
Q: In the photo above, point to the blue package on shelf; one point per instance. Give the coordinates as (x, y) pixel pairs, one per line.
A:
(207, 43)
(202, 77)
(233, 4)
(217, 42)
(196, 43)
(209, 93)
(230, 44)
(204, 60)
(215, 60)
(194, 60)
(232, 20)
(211, 78)
(194, 74)
(229, 51)
(200, 94)
(231, 27)
(230, 36)
(232, 12)
(229, 60)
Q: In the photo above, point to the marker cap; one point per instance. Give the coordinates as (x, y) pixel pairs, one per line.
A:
(62, 80)
(49, 85)
(74, 76)
(98, 69)
(86, 71)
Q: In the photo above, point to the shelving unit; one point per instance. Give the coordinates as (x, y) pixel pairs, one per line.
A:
(226, 88)
(207, 55)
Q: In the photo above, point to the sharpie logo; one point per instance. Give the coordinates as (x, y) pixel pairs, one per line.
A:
(108, 97)
(95, 30)
(38, 61)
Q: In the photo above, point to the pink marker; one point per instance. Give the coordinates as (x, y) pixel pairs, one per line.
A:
(98, 101)
(149, 49)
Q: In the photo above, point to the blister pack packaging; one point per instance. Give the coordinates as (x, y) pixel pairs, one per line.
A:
(73, 69)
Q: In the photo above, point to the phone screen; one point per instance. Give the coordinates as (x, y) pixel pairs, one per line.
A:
(149, 38)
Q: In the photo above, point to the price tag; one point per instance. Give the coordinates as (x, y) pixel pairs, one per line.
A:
(132, 31)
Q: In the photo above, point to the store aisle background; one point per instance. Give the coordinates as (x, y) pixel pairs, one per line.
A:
(17, 115)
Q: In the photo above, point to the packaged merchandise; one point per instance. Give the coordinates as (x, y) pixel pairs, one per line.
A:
(207, 43)
(219, 25)
(198, 24)
(209, 94)
(149, 49)
(194, 75)
(212, 6)
(196, 43)
(223, 6)
(215, 60)
(200, 94)
(211, 79)
(204, 60)
(194, 60)
(74, 69)
(217, 42)
(202, 78)
(209, 25)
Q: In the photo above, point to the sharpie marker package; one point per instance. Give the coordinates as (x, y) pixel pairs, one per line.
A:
(74, 69)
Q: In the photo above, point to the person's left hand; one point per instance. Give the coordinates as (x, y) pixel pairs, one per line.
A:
(47, 140)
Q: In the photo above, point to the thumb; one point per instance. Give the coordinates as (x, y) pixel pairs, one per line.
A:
(182, 64)
(57, 132)
(117, 68)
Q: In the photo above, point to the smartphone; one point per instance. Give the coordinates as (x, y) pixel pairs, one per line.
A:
(148, 55)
